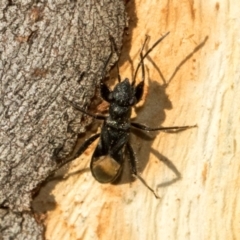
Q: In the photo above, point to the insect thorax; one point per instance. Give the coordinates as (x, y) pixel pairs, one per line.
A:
(121, 113)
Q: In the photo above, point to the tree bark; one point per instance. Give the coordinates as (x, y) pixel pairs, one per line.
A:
(49, 51)
(193, 78)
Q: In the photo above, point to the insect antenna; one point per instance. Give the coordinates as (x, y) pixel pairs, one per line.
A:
(142, 63)
(116, 51)
(146, 54)
(108, 59)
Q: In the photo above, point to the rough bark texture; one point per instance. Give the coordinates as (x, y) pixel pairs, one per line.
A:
(48, 49)
(191, 80)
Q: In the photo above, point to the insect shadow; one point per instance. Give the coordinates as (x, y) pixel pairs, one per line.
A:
(109, 157)
(158, 91)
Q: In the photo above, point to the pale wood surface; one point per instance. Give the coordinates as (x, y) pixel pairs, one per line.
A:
(199, 179)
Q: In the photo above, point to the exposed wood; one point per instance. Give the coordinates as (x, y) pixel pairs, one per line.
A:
(193, 78)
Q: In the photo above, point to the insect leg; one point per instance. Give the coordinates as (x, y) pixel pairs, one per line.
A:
(119, 144)
(140, 86)
(96, 116)
(83, 147)
(105, 92)
(134, 169)
(146, 128)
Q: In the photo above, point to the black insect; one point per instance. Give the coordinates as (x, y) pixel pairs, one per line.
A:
(108, 157)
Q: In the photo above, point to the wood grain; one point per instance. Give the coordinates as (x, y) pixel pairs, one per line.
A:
(192, 78)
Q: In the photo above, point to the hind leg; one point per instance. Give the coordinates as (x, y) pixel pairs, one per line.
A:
(134, 169)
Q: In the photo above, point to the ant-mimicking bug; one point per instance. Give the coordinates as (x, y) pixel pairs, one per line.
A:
(108, 157)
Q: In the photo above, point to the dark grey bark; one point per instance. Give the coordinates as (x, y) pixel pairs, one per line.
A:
(19, 226)
(48, 49)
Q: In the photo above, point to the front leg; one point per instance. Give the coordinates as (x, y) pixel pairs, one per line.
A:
(96, 116)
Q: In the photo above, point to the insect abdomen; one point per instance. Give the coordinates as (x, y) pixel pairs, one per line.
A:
(105, 169)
